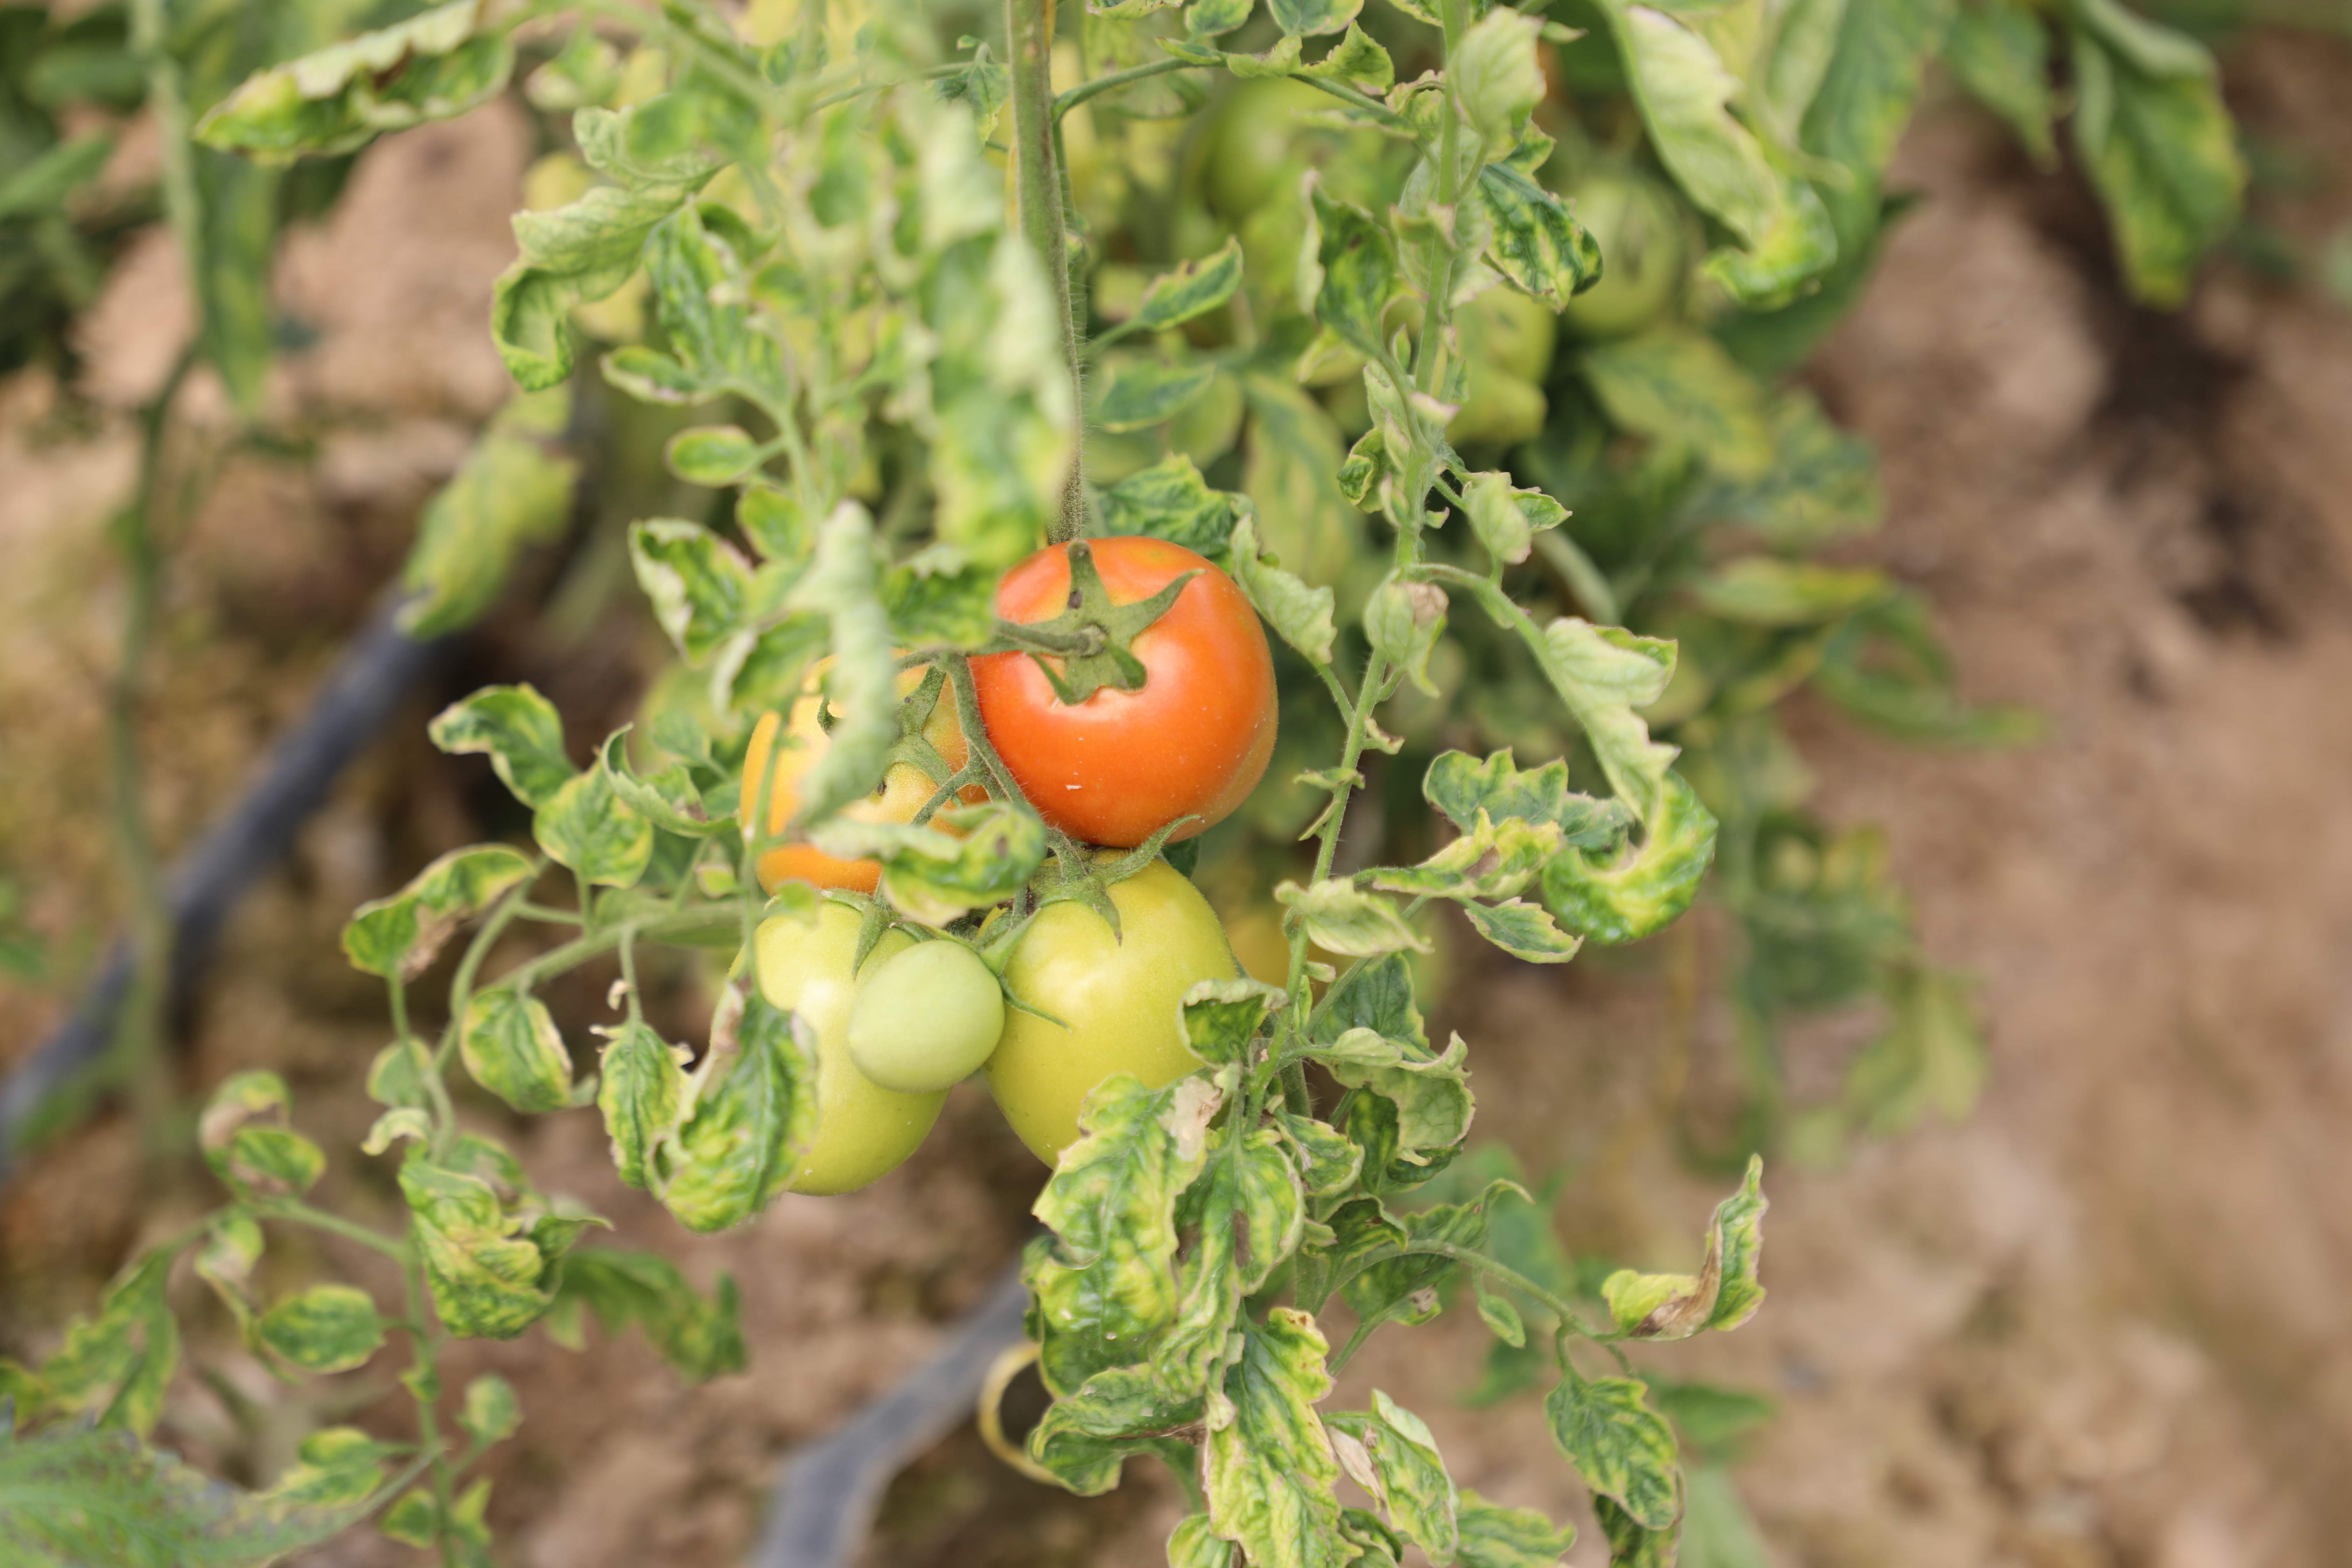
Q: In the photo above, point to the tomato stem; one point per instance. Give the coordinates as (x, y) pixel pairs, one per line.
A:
(1037, 187)
(293, 1211)
(975, 729)
(1117, 79)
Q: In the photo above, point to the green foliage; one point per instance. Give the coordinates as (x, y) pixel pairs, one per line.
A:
(327, 1328)
(74, 1497)
(2152, 133)
(701, 1339)
(1107, 1284)
(432, 67)
(514, 490)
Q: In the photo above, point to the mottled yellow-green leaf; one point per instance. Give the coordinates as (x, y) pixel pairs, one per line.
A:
(2000, 51)
(1767, 591)
(1108, 1283)
(641, 1092)
(1722, 1295)
(586, 827)
(700, 1339)
(327, 1328)
(968, 858)
(520, 732)
(1930, 1058)
(1340, 918)
(512, 1047)
(1490, 861)
(484, 1276)
(1677, 387)
(1247, 1210)
(754, 1115)
(1192, 290)
(2157, 140)
(514, 490)
(1395, 1459)
(1623, 895)
(399, 937)
(432, 67)
(1085, 1438)
(1299, 614)
(700, 585)
(1269, 1468)
(1622, 1447)
(1493, 1536)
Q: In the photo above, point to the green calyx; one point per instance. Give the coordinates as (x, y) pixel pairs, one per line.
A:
(1089, 644)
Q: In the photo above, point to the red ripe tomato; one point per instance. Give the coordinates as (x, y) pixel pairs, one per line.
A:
(1119, 766)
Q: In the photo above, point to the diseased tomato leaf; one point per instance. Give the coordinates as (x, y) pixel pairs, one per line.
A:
(1246, 1213)
(1106, 1285)
(1269, 1467)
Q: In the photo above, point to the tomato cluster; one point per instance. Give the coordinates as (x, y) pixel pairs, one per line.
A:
(1065, 1000)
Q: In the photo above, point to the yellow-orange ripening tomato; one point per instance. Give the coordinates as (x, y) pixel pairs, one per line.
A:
(904, 788)
(1117, 767)
(864, 1132)
(1116, 997)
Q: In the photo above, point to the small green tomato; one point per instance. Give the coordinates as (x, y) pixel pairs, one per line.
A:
(927, 1019)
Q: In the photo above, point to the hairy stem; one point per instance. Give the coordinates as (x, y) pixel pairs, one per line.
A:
(691, 922)
(975, 730)
(139, 1030)
(1368, 694)
(1439, 307)
(424, 1385)
(1038, 186)
(296, 1212)
(1116, 80)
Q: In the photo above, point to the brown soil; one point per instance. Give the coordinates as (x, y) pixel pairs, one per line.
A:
(2099, 1323)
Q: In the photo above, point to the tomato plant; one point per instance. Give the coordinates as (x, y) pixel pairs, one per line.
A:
(1338, 395)
(1113, 766)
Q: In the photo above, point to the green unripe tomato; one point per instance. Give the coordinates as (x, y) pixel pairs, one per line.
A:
(1501, 410)
(1261, 139)
(1252, 155)
(862, 1130)
(924, 1021)
(1643, 253)
(1116, 997)
(1510, 331)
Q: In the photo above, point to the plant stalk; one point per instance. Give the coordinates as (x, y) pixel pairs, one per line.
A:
(1037, 188)
(1439, 307)
(139, 1030)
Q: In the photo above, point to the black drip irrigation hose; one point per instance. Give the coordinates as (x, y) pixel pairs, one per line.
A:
(351, 709)
(830, 1490)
